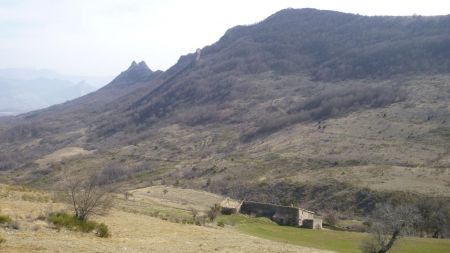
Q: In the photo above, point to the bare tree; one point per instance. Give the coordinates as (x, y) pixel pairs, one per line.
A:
(390, 224)
(111, 174)
(87, 196)
(194, 213)
(214, 212)
(435, 217)
(331, 218)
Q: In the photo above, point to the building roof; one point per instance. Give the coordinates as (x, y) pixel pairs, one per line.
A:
(229, 203)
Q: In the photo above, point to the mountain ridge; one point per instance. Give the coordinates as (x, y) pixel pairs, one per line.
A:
(305, 99)
(137, 72)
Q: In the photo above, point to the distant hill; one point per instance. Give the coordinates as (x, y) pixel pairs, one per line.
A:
(24, 90)
(31, 74)
(19, 96)
(327, 109)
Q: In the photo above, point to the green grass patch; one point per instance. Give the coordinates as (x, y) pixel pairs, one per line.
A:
(62, 219)
(339, 241)
(5, 219)
(70, 222)
(221, 224)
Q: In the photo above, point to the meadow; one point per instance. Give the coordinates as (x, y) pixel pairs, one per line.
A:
(338, 241)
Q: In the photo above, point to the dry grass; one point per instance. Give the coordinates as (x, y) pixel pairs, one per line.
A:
(139, 233)
(61, 154)
(177, 197)
(430, 181)
(130, 233)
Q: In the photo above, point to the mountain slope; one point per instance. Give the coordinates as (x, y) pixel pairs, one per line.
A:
(302, 103)
(326, 46)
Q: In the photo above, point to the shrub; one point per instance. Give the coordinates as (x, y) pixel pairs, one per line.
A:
(14, 225)
(5, 219)
(103, 231)
(8, 222)
(199, 221)
(194, 213)
(214, 212)
(331, 219)
(220, 224)
(111, 174)
(71, 222)
(2, 240)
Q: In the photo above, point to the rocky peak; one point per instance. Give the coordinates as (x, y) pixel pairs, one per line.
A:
(137, 72)
(141, 66)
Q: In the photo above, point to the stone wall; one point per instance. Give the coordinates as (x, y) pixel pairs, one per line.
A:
(282, 215)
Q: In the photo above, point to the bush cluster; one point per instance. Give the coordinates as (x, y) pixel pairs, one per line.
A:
(221, 223)
(4, 219)
(103, 231)
(330, 103)
(63, 219)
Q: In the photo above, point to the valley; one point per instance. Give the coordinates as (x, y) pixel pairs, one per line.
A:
(337, 113)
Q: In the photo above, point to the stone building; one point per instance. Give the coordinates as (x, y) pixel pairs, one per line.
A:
(282, 215)
(229, 206)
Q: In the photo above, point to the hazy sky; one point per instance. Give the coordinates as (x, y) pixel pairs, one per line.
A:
(102, 37)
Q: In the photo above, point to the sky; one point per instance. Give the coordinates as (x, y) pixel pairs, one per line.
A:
(103, 37)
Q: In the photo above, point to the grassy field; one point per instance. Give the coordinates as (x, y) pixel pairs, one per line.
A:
(345, 242)
(148, 222)
(133, 230)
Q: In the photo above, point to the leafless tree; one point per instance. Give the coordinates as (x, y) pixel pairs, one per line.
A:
(87, 196)
(194, 213)
(214, 212)
(435, 217)
(331, 218)
(390, 224)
